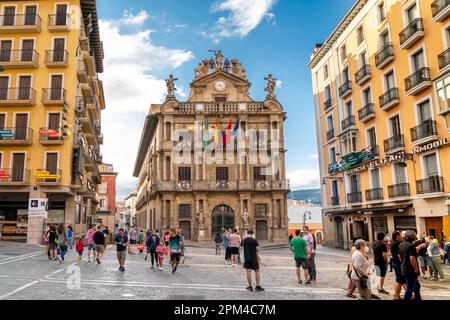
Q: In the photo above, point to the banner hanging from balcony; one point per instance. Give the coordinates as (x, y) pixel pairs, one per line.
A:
(353, 159)
(51, 133)
(6, 133)
(4, 175)
(46, 175)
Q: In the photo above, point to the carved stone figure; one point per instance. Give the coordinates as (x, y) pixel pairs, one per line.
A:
(201, 219)
(237, 68)
(170, 83)
(219, 59)
(271, 85)
(202, 68)
(245, 217)
(226, 65)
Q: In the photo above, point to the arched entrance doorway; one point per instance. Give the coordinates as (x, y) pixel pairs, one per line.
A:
(222, 217)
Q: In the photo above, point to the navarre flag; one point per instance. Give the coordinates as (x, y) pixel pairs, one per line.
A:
(216, 133)
(206, 134)
(227, 135)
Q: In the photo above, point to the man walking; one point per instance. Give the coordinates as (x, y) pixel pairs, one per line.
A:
(235, 242)
(121, 241)
(227, 246)
(396, 264)
(310, 246)
(252, 260)
(299, 247)
(409, 266)
(90, 241)
(380, 257)
(99, 241)
(152, 243)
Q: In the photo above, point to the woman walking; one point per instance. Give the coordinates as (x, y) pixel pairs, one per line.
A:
(52, 243)
(218, 241)
(361, 270)
(62, 241)
(70, 237)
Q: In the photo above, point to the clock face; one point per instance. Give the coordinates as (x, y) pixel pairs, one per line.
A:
(220, 85)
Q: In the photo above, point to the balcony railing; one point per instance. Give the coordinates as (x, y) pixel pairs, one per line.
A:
(362, 74)
(366, 112)
(444, 59)
(418, 80)
(16, 136)
(393, 143)
(440, 9)
(427, 129)
(221, 107)
(384, 55)
(17, 96)
(51, 136)
(345, 89)
(20, 22)
(335, 200)
(58, 21)
(411, 33)
(19, 58)
(354, 197)
(398, 190)
(220, 185)
(348, 122)
(330, 134)
(48, 177)
(327, 104)
(389, 98)
(14, 176)
(374, 194)
(430, 185)
(52, 96)
(56, 58)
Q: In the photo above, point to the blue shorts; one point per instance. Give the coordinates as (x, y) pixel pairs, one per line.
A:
(80, 253)
(91, 246)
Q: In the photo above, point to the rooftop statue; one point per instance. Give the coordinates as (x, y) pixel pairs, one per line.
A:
(170, 83)
(237, 69)
(219, 58)
(202, 69)
(271, 85)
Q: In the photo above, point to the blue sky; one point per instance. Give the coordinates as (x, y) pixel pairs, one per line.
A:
(145, 40)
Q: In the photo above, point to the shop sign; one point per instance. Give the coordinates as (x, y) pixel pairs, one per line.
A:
(4, 133)
(37, 207)
(352, 159)
(4, 175)
(47, 175)
(431, 146)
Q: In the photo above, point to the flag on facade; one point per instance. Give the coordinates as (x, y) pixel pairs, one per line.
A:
(227, 135)
(206, 133)
(216, 133)
(236, 127)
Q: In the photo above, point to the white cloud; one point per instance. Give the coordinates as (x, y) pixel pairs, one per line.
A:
(243, 16)
(304, 179)
(313, 156)
(278, 83)
(131, 58)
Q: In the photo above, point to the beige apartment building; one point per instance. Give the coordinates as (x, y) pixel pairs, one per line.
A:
(217, 182)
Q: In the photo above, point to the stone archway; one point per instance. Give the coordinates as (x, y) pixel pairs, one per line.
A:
(222, 217)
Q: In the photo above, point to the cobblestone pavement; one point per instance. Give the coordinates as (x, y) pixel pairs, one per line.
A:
(26, 273)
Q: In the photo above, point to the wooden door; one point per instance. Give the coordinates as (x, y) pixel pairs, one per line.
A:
(21, 126)
(56, 89)
(9, 15)
(434, 227)
(4, 82)
(27, 50)
(5, 50)
(261, 230)
(58, 47)
(185, 226)
(30, 15)
(25, 88)
(18, 167)
(53, 124)
(51, 163)
(61, 15)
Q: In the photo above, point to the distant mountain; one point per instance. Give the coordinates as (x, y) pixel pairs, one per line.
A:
(312, 195)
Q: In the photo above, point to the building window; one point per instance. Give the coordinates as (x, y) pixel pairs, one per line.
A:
(412, 13)
(360, 35)
(381, 12)
(330, 124)
(371, 137)
(333, 155)
(325, 72)
(367, 96)
(354, 183)
(184, 174)
(222, 173)
(327, 93)
(184, 211)
(384, 38)
(375, 178)
(343, 53)
(345, 76)
(349, 142)
(102, 203)
(399, 173)
(258, 175)
(418, 60)
(261, 210)
(424, 111)
(431, 166)
(396, 129)
(442, 88)
(389, 80)
(349, 108)
(362, 59)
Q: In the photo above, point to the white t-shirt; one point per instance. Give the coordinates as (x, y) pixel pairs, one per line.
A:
(359, 262)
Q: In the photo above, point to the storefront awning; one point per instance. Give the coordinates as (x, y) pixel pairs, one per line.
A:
(369, 211)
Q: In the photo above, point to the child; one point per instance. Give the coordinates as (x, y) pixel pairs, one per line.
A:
(161, 251)
(79, 248)
(141, 248)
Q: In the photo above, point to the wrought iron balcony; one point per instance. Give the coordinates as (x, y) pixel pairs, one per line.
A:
(440, 10)
(25, 23)
(335, 200)
(345, 89)
(330, 134)
(374, 194)
(348, 122)
(363, 74)
(25, 96)
(412, 33)
(14, 176)
(327, 104)
(16, 136)
(367, 112)
(385, 55)
(430, 185)
(56, 58)
(427, 129)
(51, 136)
(354, 197)
(17, 59)
(398, 190)
(444, 59)
(53, 96)
(418, 81)
(389, 99)
(395, 143)
(58, 22)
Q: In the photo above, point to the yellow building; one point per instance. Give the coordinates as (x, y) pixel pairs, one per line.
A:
(381, 93)
(50, 104)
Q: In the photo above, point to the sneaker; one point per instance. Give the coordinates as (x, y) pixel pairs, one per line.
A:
(98, 261)
(300, 281)
(383, 291)
(259, 288)
(123, 269)
(249, 288)
(375, 297)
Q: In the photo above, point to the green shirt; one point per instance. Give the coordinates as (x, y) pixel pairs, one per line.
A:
(299, 246)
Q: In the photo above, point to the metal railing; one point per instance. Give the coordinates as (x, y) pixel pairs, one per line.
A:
(385, 52)
(189, 107)
(13, 94)
(394, 142)
(362, 73)
(16, 134)
(330, 134)
(388, 97)
(426, 129)
(430, 185)
(335, 200)
(219, 185)
(19, 56)
(20, 20)
(59, 20)
(418, 77)
(354, 197)
(54, 94)
(348, 122)
(14, 175)
(374, 194)
(444, 58)
(398, 190)
(56, 56)
(413, 27)
(327, 104)
(48, 134)
(345, 88)
(438, 6)
(367, 110)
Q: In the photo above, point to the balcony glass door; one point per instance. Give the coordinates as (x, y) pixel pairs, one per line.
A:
(56, 89)
(354, 183)
(27, 50)
(4, 82)
(30, 15)
(389, 80)
(431, 166)
(400, 174)
(53, 124)
(21, 126)
(58, 47)
(9, 15)
(5, 50)
(424, 111)
(412, 13)
(395, 126)
(18, 167)
(375, 178)
(61, 15)
(371, 137)
(51, 163)
(24, 88)
(418, 60)
(2, 125)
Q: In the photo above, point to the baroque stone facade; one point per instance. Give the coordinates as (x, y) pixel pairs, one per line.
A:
(216, 160)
